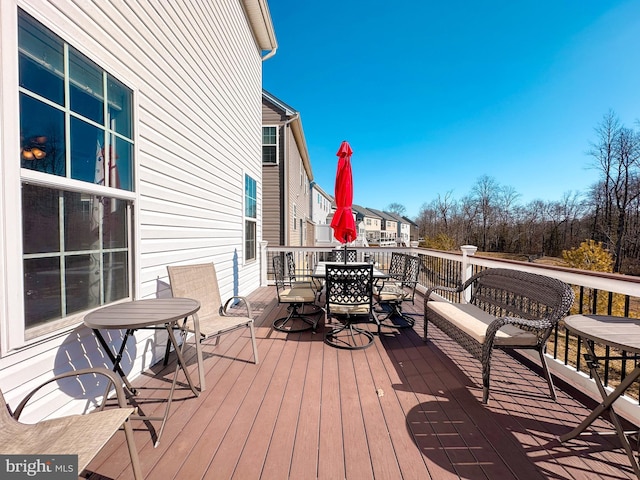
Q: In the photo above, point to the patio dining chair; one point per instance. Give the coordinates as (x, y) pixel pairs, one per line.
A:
(338, 255)
(296, 295)
(295, 278)
(401, 287)
(349, 298)
(82, 435)
(213, 320)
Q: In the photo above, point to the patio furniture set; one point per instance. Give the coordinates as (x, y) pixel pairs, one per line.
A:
(349, 288)
(499, 308)
(196, 308)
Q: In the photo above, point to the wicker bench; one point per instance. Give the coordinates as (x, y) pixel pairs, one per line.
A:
(507, 309)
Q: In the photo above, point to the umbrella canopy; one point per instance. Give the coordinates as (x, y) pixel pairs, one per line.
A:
(344, 227)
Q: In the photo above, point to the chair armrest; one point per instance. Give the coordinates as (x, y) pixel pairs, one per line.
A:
(223, 310)
(430, 290)
(542, 326)
(111, 376)
(524, 323)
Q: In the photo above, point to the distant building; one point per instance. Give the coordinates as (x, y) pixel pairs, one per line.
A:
(321, 205)
(286, 176)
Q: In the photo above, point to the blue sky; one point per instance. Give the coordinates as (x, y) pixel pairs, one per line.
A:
(433, 95)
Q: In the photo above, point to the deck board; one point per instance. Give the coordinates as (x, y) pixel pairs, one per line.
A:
(402, 408)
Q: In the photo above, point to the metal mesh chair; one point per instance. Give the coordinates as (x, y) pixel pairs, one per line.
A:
(338, 255)
(296, 294)
(200, 282)
(350, 300)
(401, 288)
(82, 435)
(295, 278)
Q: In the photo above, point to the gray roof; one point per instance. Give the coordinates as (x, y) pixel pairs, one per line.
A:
(365, 211)
(383, 215)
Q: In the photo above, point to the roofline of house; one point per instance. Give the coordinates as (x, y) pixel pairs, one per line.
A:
(296, 127)
(322, 191)
(257, 12)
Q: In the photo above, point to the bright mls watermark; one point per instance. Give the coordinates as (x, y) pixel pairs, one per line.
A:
(48, 467)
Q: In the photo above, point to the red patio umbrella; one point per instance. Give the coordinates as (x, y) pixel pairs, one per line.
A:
(344, 227)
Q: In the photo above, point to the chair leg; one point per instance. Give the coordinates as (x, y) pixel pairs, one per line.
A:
(352, 338)
(486, 372)
(133, 452)
(547, 374)
(396, 312)
(283, 324)
(253, 343)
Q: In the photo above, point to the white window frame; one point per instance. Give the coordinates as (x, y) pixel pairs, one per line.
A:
(295, 217)
(12, 321)
(277, 145)
(245, 219)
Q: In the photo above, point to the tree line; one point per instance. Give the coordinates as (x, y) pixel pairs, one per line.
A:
(491, 217)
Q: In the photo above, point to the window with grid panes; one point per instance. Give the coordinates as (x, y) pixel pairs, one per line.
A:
(76, 134)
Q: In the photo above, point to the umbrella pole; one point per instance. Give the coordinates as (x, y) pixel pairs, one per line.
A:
(345, 250)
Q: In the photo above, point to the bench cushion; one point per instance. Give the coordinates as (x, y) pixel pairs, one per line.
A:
(474, 322)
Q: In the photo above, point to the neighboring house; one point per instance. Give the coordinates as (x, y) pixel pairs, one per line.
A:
(321, 205)
(129, 140)
(286, 176)
(388, 226)
(372, 223)
(403, 232)
(413, 229)
(322, 208)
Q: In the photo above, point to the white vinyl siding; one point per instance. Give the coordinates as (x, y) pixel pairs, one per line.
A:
(196, 74)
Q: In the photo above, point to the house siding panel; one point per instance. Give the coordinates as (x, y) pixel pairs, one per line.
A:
(196, 73)
(272, 195)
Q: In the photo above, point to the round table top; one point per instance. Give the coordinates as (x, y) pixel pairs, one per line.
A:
(142, 313)
(617, 332)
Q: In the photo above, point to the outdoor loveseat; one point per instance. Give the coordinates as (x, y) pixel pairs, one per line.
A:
(506, 309)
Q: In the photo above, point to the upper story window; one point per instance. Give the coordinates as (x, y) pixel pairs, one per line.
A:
(270, 145)
(76, 124)
(250, 217)
(295, 217)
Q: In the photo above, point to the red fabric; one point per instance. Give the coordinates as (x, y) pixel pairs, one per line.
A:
(344, 227)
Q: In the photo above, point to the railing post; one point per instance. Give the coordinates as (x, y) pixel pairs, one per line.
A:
(466, 267)
(264, 257)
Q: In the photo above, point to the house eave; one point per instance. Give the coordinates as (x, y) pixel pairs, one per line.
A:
(257, 12)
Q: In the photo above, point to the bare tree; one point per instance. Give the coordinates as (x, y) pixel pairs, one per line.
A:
(624, 184)
(396, 208)
(485, 193)
(603, 153)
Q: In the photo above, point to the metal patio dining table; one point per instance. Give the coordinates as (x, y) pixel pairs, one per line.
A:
(619, 333)
(157, 314)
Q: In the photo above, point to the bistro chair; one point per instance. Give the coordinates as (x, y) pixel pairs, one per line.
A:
(349, 299)
(337, 255)
(400, 288)
(296, 295)
(82, 435)
(295, 278)
(200, 283)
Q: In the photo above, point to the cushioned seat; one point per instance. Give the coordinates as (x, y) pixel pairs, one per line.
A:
(474, 322)
(296, 294)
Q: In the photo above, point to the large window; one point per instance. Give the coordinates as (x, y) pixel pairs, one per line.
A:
(270, 145)
(76, 128)
(250, 218)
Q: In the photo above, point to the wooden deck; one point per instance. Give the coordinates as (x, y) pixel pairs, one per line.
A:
(401, 409)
